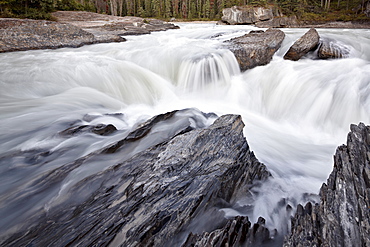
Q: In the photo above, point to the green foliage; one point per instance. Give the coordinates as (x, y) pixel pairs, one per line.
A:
(310, 10)
(68, 5)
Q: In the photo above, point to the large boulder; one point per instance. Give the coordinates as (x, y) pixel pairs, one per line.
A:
(246, 14)
(308, 42)
(154, 198)
(342, 218)
(256, 48)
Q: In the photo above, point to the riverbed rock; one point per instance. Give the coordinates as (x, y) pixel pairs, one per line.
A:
(308, 42)
(256, 48)
(331, 49)
(20, 35)
(155, 198)
(73, 29)
(342, 218)
(102, 25)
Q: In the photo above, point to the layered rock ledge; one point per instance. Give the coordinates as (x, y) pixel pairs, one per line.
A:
(73, 29)
(342, 218)
(155, 198)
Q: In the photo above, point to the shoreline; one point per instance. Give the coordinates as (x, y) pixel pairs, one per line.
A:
(78, 28)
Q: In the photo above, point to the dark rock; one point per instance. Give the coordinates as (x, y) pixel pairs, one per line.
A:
(100, 129)
(256, 48)
(236, 232)
(152, 198)
(331, 49)
(342, 218)
(308, 42)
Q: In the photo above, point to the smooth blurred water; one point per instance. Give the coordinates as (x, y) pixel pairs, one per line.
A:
(296, 113)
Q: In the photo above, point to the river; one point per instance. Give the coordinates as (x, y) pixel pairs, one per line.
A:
(296, 113)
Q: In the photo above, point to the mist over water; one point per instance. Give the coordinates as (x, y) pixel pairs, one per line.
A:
(296, 113)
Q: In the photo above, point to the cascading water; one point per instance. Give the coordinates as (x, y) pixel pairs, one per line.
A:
(296, 113)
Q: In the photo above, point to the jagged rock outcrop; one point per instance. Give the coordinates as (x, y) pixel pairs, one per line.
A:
(342, 218)
(331, 49)
(154, 198)
(256, 48)
(237, 232)
(248, 14)
(308, 42)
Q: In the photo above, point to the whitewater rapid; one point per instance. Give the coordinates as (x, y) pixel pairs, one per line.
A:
(296, 113)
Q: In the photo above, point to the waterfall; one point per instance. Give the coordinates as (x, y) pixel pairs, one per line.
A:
(296, 113)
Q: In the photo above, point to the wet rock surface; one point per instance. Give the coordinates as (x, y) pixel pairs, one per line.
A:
(155, 198)
(308, 42)
(331, 49)
(236, 232)
(342, 218)
(256, 48)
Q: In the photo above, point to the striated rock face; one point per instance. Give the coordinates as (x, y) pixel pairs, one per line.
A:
(303, 45)
(256, 48)
(154, 198)
(247, 14)
(342, 218)
(237, 232)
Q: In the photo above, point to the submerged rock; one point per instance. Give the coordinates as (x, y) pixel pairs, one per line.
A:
(256, 48)
(154, 198)
(342, 218)
(331, 49)
(308, 42)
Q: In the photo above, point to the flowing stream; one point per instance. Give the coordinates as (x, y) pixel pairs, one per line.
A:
(296, 113)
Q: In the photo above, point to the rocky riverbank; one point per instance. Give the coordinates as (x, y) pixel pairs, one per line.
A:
(73, 29)
(272, 17)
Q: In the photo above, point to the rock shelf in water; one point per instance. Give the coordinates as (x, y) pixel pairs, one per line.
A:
(155, 198)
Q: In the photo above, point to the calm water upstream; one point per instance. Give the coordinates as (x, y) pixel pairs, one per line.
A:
(296, 113)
